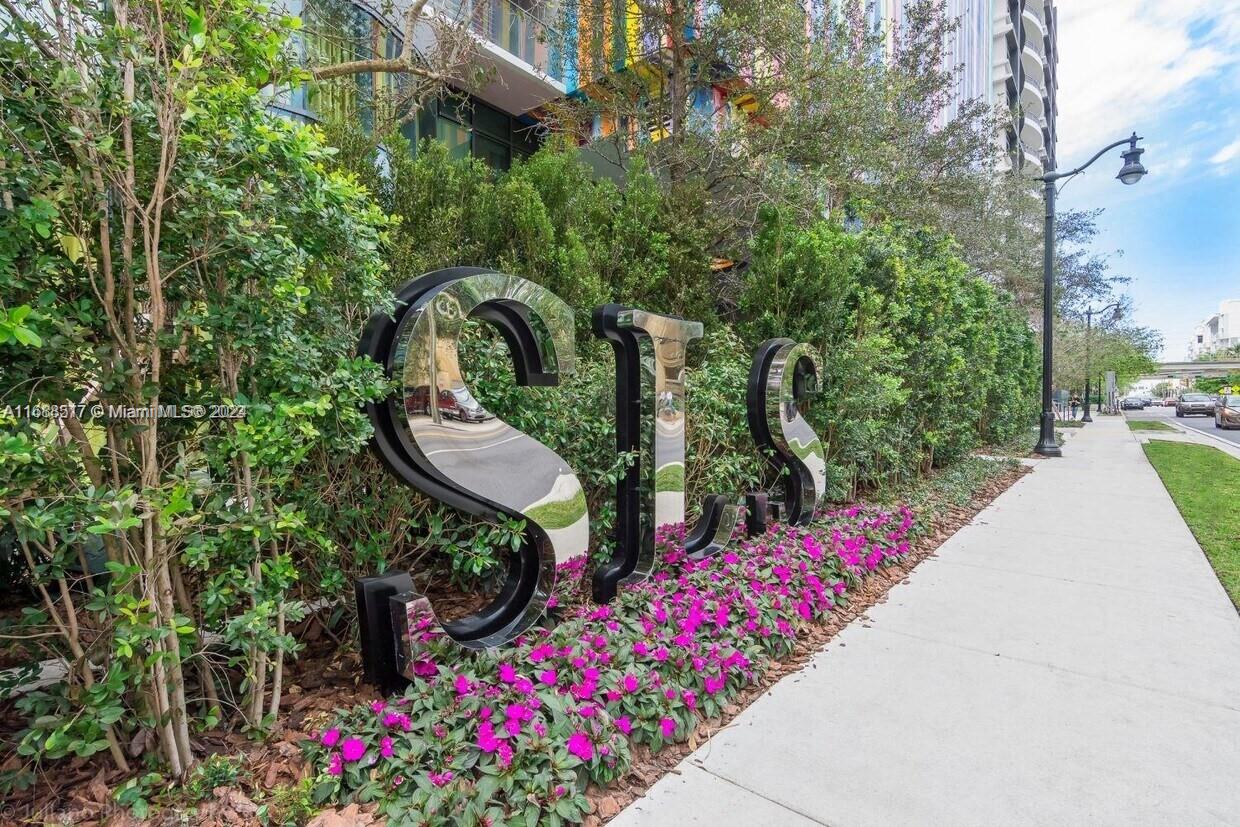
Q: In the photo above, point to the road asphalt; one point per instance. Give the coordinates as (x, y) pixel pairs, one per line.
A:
(1203, 424)
(1069, 657)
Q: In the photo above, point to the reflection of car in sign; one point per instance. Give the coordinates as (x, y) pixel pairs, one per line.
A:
(456, 403)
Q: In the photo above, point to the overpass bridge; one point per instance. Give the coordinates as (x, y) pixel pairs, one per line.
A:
(1192, 370)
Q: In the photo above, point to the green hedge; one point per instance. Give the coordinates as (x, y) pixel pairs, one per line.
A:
(923, 360)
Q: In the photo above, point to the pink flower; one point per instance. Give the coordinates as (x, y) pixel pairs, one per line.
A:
(690, 699)
(487, 742)
(463, 686)
(580, 745)
(505, 754)
(624, 724)
(630, 683)
(440, 779)
(425, 668)
(377, 706)
(385, 747)
(335, 767)
(547, 677)
(353, 749)
(507, 672)
(668, 726)
(330, 738)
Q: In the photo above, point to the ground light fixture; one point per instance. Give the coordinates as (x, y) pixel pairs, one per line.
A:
(1130, 173)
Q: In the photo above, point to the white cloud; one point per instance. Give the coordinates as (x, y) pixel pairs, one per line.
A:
(1227, 153)
(1123, 66)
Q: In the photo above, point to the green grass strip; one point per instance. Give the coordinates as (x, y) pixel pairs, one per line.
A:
(1204, 482)
(1148, 425)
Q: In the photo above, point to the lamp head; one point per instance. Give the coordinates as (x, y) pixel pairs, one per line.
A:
(1132, 171)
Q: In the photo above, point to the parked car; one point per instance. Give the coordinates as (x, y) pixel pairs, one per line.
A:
(1131, 403)
(1192, 404)
(1169, 402)
(1227, 412)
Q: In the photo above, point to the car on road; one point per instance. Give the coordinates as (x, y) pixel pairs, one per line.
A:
(1131, 403)
(1227, 412)
(1192, 404)
(1169, 402)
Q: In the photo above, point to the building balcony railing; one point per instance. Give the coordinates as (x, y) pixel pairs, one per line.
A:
(1033, 23)
(1037, 9)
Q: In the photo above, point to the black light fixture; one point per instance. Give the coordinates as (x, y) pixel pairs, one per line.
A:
(1132, 170)
(1130, 173)
(1089, 324)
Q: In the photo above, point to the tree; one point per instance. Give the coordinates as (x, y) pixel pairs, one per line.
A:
(1130, 351)
(386, 76)
(752, 106)
(1223, 355)
(167, 242)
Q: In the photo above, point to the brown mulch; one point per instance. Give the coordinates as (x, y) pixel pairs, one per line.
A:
(649, 767)
(78, 791)
(324, 678)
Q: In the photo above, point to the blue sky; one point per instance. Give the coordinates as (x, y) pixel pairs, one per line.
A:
(1170, 69)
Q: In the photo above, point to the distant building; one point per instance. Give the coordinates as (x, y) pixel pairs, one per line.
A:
(1218, 332)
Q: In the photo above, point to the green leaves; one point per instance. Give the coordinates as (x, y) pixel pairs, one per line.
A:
(197, 27)
(14, 330)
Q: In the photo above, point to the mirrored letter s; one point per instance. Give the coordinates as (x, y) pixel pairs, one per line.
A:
(436, 437)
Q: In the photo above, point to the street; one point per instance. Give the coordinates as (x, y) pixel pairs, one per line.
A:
(1205, 424)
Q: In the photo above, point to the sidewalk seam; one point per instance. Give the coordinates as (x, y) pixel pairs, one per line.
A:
(757, 794)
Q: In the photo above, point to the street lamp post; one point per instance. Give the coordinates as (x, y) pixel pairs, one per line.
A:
(1089, 323)
(1130, 173)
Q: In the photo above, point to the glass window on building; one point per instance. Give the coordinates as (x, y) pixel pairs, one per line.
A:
(472, 128)
(495, 154)
(456, 136)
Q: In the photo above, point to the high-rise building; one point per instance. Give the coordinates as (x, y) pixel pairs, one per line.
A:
(1024, 76)
(1004, 53)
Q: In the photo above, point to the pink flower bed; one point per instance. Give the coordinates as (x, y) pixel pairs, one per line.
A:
(514, 735)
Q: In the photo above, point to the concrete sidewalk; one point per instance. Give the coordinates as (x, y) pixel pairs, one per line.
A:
(1068, 658)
